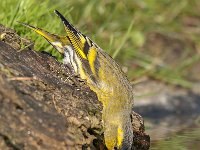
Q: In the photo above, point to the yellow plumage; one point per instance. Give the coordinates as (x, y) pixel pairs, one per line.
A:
(104, 76)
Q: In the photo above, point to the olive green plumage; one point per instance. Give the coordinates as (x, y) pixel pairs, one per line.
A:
(103, 75)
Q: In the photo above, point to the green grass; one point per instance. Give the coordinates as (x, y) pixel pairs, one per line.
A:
(123, 29)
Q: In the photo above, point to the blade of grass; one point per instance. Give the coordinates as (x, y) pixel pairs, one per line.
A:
(126, 36)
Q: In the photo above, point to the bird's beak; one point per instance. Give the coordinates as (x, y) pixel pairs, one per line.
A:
(58, 42)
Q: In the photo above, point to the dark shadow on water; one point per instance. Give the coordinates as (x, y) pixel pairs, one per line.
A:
(169, 113)
(182, 107)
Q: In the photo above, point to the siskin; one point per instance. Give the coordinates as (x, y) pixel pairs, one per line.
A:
(103, 75)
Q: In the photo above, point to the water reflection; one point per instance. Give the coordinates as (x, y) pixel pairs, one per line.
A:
(172, 116)
(189, 139)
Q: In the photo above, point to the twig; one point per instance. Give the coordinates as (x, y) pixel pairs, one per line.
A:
(22, 78)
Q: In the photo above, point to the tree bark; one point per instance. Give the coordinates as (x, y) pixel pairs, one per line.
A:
(43, 106)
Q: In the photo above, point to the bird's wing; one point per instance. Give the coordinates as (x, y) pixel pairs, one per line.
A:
(83, 45)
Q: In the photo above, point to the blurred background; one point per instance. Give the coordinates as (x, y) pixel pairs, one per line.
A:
(157, 43)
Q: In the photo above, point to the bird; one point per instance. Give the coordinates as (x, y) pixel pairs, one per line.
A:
(103, 75)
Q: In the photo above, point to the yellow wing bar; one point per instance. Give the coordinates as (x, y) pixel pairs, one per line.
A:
(80, 42)
(82, 45)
